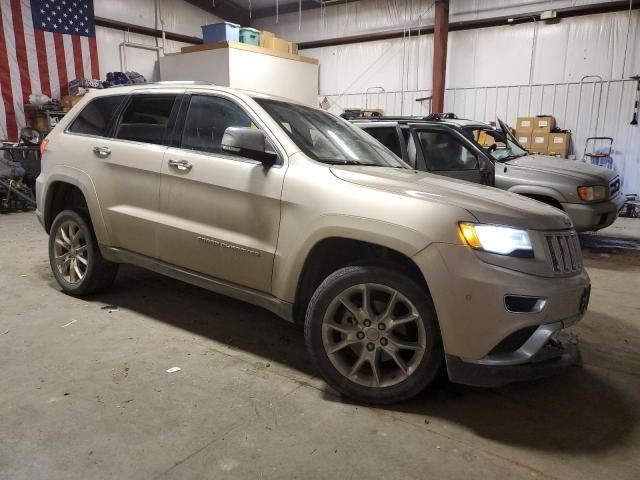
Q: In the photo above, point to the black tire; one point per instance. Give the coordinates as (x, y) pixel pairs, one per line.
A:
(99, 273)
(425, 371)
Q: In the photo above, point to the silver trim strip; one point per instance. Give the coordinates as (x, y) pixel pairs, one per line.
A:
(279, 307)
(531, 347)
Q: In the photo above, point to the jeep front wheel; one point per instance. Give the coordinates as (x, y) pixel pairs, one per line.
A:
(373, 333)
(75, 258)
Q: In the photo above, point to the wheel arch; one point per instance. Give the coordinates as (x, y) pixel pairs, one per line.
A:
(329, 254)
(69, 192)
(546, 195)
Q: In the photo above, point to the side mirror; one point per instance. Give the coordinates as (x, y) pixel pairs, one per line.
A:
(248, 142)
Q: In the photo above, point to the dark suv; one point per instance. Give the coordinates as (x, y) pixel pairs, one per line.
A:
(445, 145)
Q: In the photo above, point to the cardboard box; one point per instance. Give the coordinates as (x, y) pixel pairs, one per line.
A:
(525, 124)
(277, 44)
(539, 143)
(67, 102)
(524, 139)
(544, 124)
(264, 35)
(559, 144)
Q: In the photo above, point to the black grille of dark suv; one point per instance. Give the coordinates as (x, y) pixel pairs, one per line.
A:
(614, 186)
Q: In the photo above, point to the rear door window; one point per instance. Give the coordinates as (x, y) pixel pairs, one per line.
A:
(145, 118)
(444, 152)
(96, 117)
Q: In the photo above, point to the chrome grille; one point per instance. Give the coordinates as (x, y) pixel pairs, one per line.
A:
(564, 252)
(614, 186)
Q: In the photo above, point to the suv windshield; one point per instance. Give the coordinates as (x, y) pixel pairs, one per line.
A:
(327, 138)
(501, 147)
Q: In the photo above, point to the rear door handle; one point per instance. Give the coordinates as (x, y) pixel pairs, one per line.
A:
(181, 165)
(102, 151)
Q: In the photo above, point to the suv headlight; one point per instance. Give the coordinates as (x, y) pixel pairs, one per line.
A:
(497, 239)
(592, 194)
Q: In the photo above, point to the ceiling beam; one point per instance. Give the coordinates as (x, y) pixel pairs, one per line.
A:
(225, 9)
(294, 6)
(152, 32)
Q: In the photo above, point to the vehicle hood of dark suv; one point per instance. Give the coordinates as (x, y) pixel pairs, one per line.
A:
(487, 204)
(587, 174)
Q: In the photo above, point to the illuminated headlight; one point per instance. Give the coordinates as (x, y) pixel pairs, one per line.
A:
(497, 239)
(592, 194)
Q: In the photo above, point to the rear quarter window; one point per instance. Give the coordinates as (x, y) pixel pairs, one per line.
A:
(96, 116)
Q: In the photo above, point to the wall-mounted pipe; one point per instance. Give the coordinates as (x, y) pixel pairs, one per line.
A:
(123, 52)
(597, 79)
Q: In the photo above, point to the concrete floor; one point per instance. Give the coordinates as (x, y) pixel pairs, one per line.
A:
(84, 392)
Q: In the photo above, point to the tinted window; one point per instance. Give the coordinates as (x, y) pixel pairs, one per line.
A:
(145, 118)
(207, 119)
(388, 136)
(96, 116)
(442, 151)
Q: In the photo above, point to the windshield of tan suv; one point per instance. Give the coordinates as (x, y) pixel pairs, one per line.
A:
(327, 138)
(499, 146)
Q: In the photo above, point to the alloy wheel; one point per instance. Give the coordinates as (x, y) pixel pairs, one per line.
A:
(374, 335)
(70, 251)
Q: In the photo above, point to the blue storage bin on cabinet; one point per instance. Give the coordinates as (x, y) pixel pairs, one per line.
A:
(220, 32)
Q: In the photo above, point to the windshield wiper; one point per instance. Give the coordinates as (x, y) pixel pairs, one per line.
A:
(511, 157)
(353, 162)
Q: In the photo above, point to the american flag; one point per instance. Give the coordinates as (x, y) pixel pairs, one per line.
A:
(44, 44)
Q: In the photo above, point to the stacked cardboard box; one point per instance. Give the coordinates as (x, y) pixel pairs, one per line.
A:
(537, 135)
(559, 144)
(269, 40)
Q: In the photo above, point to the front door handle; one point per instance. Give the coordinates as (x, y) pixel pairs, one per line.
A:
(103, 152)
(181, 165)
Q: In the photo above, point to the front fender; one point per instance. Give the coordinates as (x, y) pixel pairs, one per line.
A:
(293, 252)
(538, 191)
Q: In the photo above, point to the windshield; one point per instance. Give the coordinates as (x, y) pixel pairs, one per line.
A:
(327, 138)
(500, 147)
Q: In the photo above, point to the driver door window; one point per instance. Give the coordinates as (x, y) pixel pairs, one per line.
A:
(443, 152)
(207, 120)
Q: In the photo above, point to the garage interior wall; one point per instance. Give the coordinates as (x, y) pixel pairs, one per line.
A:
(178, 16)
(490, 71)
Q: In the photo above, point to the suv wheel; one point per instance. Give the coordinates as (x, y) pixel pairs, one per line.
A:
(76, 261)
(373, 333)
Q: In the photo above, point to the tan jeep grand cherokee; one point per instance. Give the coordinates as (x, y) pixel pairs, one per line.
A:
(392, 271)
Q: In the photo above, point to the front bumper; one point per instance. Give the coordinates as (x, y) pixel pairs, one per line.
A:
(469, 297)
(594, 216)
(553, 358)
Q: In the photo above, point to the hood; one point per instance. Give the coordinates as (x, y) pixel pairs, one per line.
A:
(587, 174)
(487, 204)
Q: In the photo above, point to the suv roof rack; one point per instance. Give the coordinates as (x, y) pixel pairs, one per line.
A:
(434, 117)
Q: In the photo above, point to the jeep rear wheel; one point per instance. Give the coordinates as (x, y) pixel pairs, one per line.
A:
(76, 261)
(373, 334)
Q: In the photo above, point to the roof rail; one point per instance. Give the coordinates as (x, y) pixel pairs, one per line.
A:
(181, 82)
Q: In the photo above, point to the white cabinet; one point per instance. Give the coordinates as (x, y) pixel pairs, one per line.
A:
(247, 67)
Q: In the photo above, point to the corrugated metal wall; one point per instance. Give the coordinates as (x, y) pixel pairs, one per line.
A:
(520, 70)
(588, 109)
